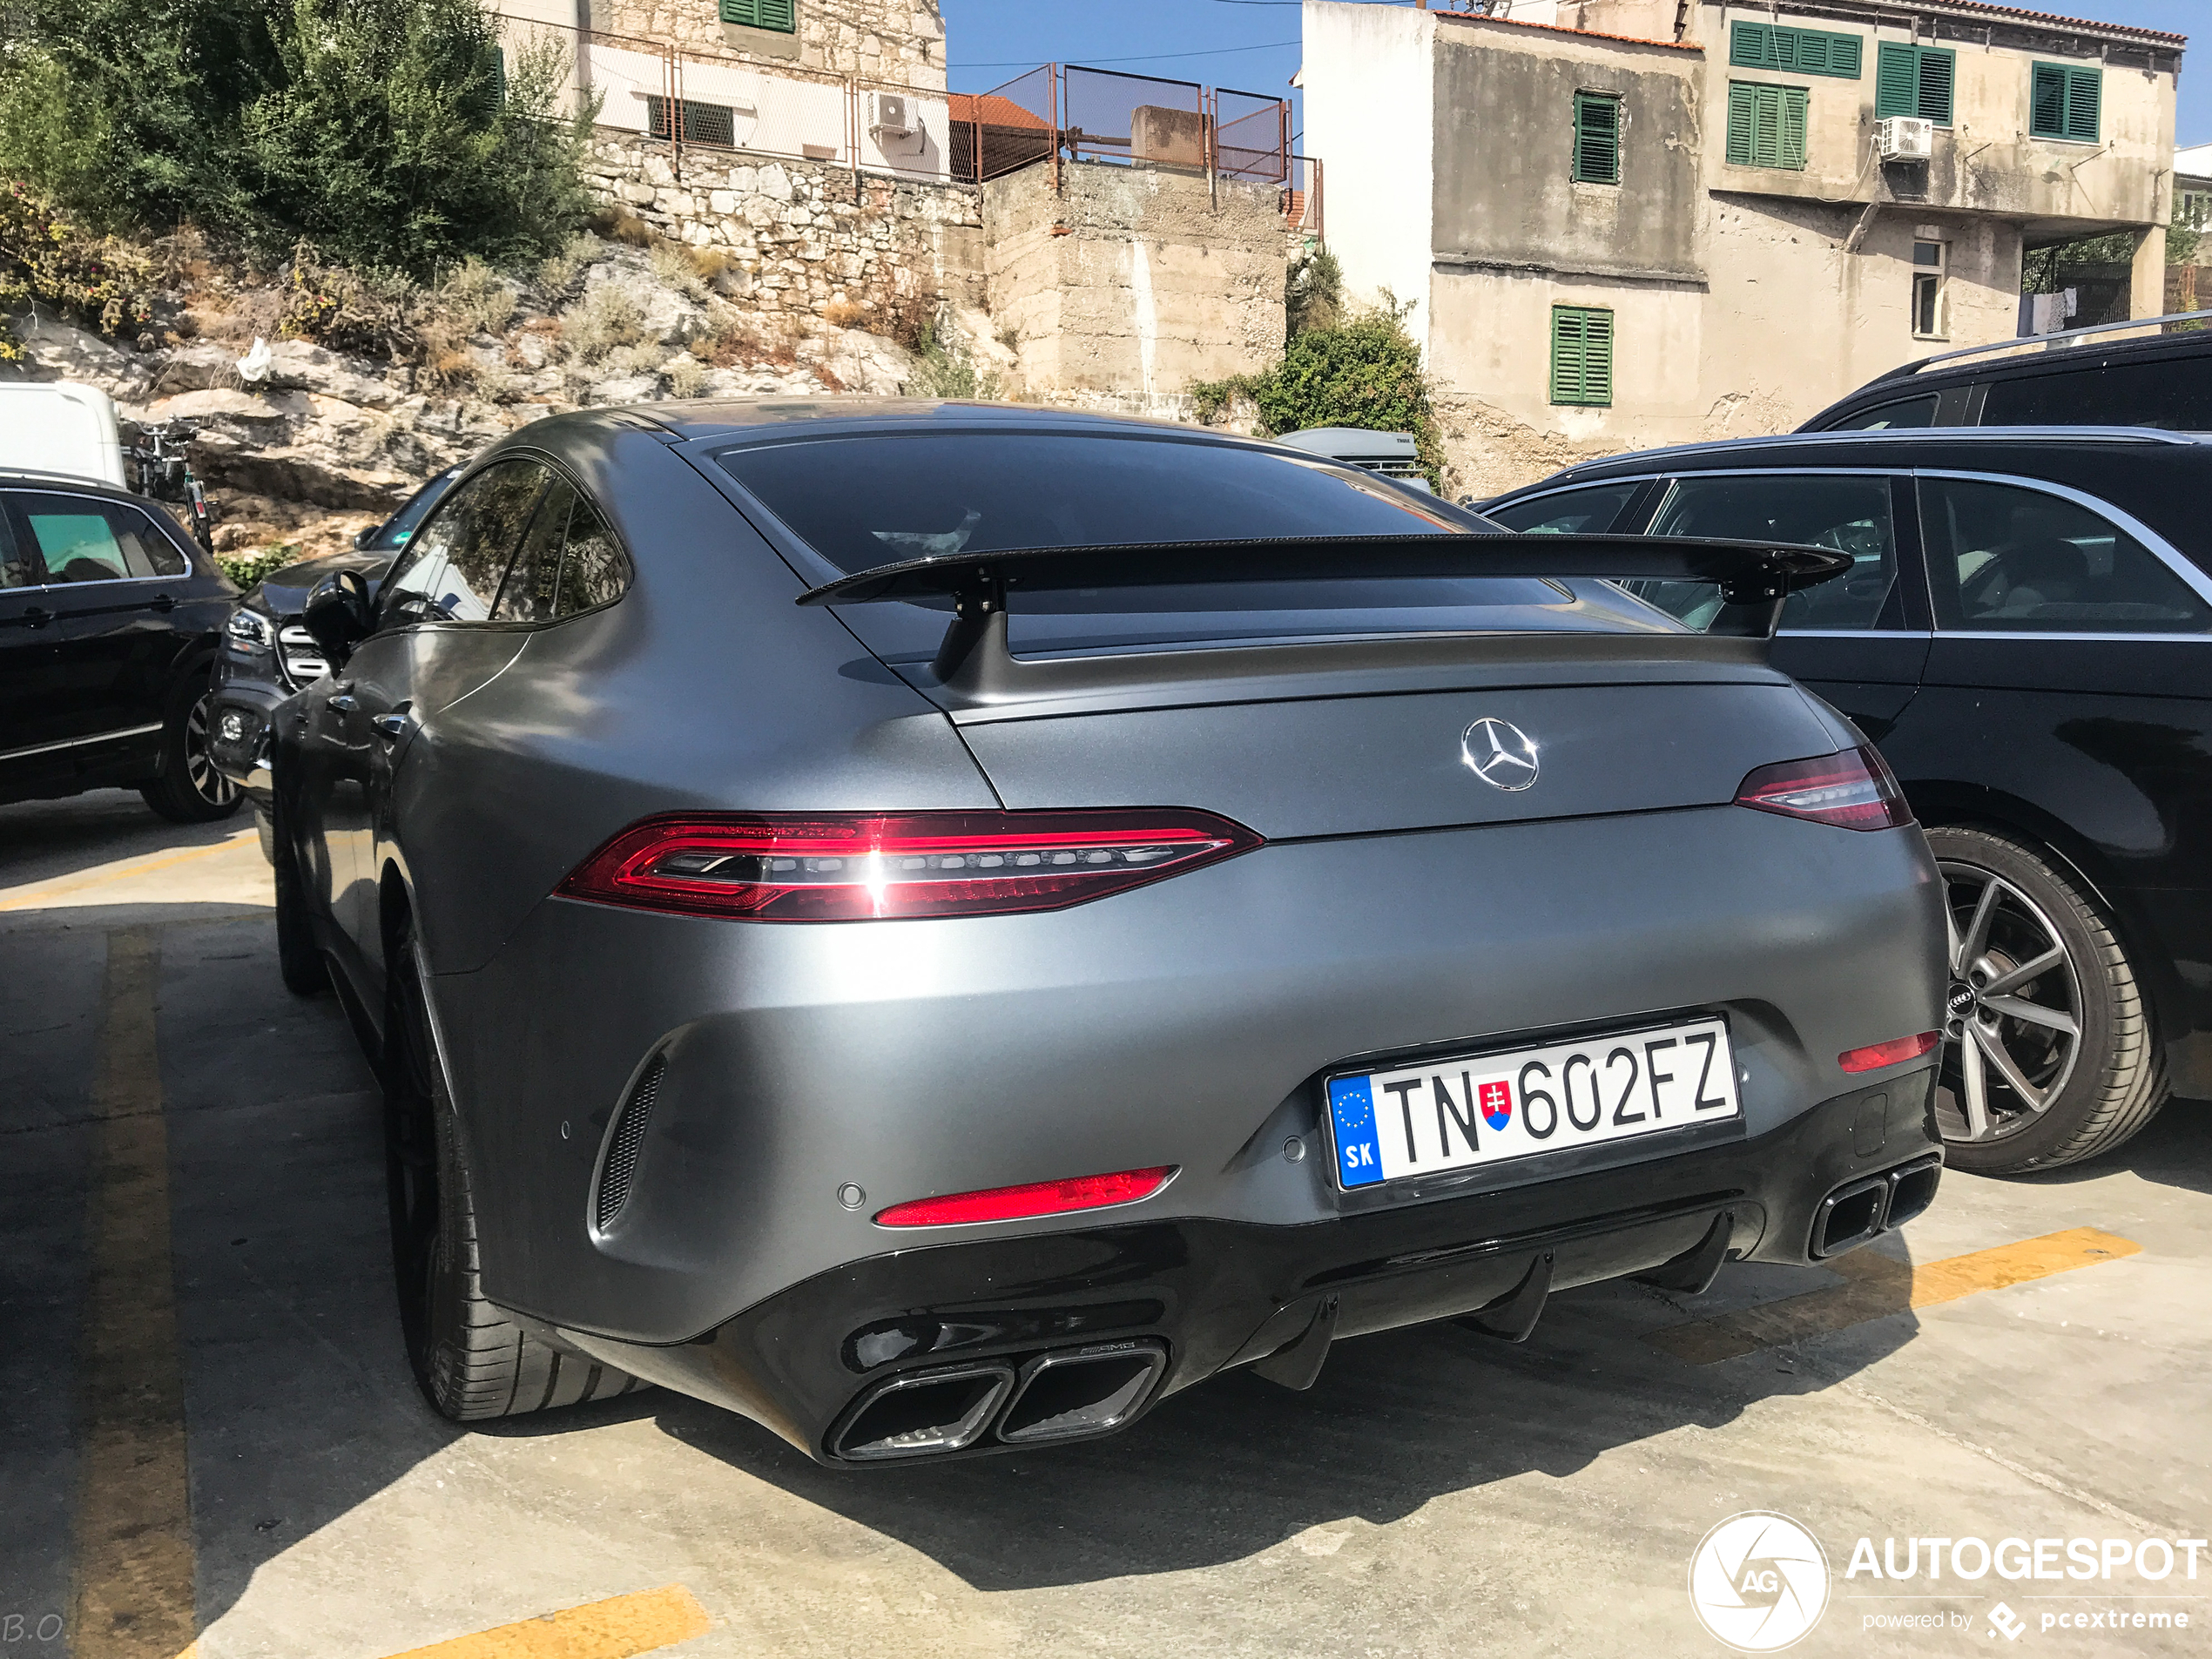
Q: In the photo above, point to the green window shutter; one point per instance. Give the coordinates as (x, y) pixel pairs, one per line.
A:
(1597, 139)
(1766, 129)
(1581, 356)
(2084, 95)
(746, 12)
(1939, 69)
(1897, 80)
(1793, 128)
(1809, 52)
(779, 14)
(491, 92)
(2046, 101)
(1742, 107)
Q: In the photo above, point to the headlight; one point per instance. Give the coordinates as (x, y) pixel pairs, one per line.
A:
(250, 629)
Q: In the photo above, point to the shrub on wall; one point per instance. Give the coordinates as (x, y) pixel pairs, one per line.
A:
(46, 258)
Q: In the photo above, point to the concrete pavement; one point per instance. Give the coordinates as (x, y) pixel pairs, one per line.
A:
(1435, 1494)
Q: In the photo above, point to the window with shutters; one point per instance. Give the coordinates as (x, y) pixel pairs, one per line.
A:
(1597, 138)
(1766, 126)
(1806, 52)
(1915, 80)
(1581, 356)
(781, 16)
(2065, 101)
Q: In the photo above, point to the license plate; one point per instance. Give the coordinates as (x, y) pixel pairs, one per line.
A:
(1462, 1112)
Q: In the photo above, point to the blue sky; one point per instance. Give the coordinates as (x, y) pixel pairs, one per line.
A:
(1252, 44)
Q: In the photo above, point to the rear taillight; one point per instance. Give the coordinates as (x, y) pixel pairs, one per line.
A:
(1852, 789)
(1034, 1198)
(819, 867)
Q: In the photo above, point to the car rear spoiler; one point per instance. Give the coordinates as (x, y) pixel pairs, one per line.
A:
(1754, 577)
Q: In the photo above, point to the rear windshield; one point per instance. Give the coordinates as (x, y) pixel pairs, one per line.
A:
(884, 498)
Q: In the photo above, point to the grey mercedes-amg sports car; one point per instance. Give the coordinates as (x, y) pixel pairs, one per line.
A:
(934, 927)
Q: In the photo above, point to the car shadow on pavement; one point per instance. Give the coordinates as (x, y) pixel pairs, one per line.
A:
(46, 840)
(2175, 1150)
(1236, 1466)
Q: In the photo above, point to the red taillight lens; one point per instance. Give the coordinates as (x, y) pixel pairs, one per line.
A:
(817, 867)
(1037, 1198)
(1852, 789)
(1895, 1052)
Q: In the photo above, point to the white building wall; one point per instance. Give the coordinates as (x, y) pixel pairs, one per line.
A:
(1370, 84)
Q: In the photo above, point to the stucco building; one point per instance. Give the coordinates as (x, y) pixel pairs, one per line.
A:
(1635, 222)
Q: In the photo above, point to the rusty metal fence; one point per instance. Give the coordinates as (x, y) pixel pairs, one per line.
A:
(699, 102)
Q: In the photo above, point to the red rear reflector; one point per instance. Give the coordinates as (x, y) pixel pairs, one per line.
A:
(1037, 1198)
(1852, 789)
(865, 866)
(1895, 1052)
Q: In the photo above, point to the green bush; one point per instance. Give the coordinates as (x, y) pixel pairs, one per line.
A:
(388, 132)
(44, 257)
(1365, 372)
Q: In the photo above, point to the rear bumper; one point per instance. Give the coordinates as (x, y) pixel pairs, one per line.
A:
(1212, 1293)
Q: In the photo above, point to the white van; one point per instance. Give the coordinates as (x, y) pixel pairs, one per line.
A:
(61, 426)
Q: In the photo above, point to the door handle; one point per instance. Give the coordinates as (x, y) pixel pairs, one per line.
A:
(392, 726)
(34, 616)
(345, 704)
(161, 602)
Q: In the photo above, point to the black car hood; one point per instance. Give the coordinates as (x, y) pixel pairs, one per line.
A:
(283, 594)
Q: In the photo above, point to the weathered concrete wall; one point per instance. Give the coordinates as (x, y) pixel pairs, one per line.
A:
(1505, 196)
(1132, 279)
(807, 238)
(902, 41)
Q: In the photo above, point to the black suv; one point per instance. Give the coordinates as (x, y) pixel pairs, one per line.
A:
(2028, 634)
(2082, 377)
(109, 619)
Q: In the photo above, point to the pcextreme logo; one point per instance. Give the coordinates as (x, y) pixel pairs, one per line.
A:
(1758, 1581)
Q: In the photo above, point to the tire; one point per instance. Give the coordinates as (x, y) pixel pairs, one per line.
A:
(2086, 1091)
(300, 959)
(471, 1360)
(189, 789)
(265, 827)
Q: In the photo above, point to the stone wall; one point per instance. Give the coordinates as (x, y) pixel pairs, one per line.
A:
(807, 238)
(1132, 281)
(902, 41)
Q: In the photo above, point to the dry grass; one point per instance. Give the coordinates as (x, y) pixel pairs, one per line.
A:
(620, 225)
(686, 377)
(556, 273)
(601, 322)
(672, 264)
(844, 313)
(477, 297)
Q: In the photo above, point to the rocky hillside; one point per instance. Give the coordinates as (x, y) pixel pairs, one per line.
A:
(311, 438)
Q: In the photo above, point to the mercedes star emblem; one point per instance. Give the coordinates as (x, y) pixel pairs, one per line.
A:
(1499, 753)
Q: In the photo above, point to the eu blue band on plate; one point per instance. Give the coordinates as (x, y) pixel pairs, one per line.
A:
(1352, 1108)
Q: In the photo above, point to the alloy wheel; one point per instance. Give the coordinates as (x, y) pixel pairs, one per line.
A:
(2013, 1018)
(207, 780)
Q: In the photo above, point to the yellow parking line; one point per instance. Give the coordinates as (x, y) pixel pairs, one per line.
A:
(1876, 1284)
(131, 1589)
(611, 1630)
(41, 893)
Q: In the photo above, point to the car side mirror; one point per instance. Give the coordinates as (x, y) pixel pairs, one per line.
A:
(337, 614)
(362, 538)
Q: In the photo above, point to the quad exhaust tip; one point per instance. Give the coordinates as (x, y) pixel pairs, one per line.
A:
(1864, 1210)
(1072, 1394)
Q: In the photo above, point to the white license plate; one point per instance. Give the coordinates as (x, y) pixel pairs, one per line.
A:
(1457, 1113)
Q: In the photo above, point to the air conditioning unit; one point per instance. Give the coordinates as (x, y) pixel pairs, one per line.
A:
(1904, 137)
(892, 114)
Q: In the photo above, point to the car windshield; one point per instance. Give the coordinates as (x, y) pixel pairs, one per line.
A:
(393, 534)
(886, 498)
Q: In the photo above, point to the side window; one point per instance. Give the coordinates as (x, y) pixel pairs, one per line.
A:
(1885, 417)
(83, 539)
(2175, 393)
(15, 570)
(451, 571)
(594, 569)
(528, 593)
(2003, 558)
(1851, 514)
(1569, 512)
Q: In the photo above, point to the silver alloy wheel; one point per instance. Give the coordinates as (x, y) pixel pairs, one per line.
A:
(2013, 1019)
(206, 779)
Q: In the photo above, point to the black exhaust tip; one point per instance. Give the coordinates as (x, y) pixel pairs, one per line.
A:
(1082, 1392)
(1912, 1189)
(1850, 1215)
(922, 1413)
